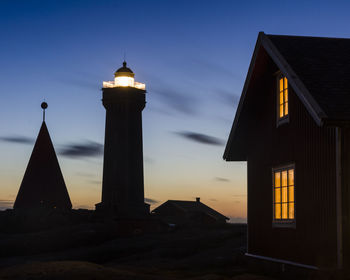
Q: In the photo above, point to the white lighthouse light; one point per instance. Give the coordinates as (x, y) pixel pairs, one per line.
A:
(124, 81)
(124, 77)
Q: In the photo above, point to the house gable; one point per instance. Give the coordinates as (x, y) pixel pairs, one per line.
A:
(303, 143)
(283, 56)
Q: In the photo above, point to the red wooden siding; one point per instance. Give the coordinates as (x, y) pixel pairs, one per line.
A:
(345, 163)
(312, 149)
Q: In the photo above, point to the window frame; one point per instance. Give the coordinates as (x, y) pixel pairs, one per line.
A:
(283, 222)
(285, 118)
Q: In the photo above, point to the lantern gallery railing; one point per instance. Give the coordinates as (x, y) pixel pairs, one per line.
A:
(124, 83)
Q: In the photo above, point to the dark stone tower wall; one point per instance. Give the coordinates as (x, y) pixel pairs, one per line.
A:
(122, 187)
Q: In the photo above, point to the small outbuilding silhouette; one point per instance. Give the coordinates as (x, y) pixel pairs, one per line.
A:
(180, 212)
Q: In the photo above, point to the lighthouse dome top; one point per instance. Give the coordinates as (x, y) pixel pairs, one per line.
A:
(124, 71)
(124, 77)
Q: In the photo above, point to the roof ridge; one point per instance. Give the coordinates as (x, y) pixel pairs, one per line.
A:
(306, 36)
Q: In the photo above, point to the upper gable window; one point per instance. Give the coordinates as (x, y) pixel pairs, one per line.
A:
(282, 85)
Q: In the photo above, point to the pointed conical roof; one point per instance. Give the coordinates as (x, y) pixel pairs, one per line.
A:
(43, 184)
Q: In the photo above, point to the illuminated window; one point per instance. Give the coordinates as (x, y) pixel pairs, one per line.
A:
(282, 97)
(283, 194)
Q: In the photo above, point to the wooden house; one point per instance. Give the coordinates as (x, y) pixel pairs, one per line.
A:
(181, 212)
(292, 129)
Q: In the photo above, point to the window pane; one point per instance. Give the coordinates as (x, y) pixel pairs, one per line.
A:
(284, 194)
(281, 97)
(286, 95)
(281, 111)
(284, 178)
(278, 211)
(281, 85)
(291, 194)
(284, 211)
(285, 83)
(277, 194)
(277, 179)
(291, 177)
(286, 108)
(291, 210)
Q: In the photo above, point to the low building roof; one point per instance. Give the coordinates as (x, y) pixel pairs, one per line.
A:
(193, 206)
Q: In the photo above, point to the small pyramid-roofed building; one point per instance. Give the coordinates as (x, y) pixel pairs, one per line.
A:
(43, 185)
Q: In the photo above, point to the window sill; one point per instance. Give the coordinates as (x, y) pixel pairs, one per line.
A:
(282, 121)
(284, 224)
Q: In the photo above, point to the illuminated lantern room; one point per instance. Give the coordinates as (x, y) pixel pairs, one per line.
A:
(124, 77)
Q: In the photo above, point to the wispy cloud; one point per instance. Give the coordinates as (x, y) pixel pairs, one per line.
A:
(221, 179)
(86, 149)
(234, 219)
(17, 139)
(148, 160)
(151, 201)
(228, 98)
(213, 199)
(209, 68)
(83, 206)
(81, 79)
(85, 174)
(173, 97)
(6, 204)
(175, 100)
(201, 138)
(95, 182)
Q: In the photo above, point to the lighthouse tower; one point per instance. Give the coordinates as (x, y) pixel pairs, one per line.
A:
(122, 185)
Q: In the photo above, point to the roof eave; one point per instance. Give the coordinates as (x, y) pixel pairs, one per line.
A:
(226, 155)
(300, 89)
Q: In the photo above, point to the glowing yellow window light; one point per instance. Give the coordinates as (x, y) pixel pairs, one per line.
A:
(277, 211)
(284, 211)
(283, 97)
(284, 194)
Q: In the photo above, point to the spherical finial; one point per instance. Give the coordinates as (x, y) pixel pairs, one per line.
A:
(124, 63)
(44, 105)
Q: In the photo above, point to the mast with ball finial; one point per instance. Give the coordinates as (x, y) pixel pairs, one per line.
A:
(44, 106)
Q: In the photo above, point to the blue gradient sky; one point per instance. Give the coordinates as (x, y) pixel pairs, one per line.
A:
(193, 57)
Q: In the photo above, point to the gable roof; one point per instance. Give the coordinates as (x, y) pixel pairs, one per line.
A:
(323, 65)
(43, 183)
(318, 69)
(192, 206)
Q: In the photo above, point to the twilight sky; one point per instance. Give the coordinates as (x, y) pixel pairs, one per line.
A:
(193, 57)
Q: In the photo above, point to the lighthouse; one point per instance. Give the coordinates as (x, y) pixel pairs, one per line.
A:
(122, 183)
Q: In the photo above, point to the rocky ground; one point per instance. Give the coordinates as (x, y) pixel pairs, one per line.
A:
(90, 251)
(97, 250)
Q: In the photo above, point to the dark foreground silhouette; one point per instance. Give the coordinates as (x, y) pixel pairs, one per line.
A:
(79, 245)
(93, 250)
